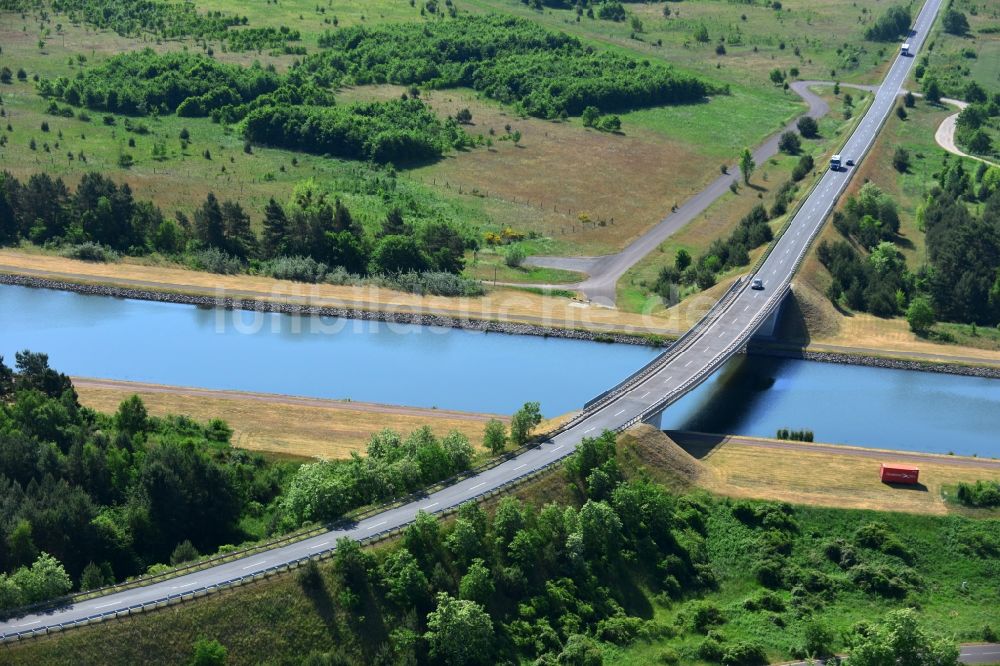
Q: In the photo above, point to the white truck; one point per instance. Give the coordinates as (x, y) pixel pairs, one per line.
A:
(904, 49)
(835, 163)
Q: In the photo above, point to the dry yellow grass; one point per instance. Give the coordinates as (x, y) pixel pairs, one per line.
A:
(821, 475)
(504, 305)
(561, 169)
(284, 425)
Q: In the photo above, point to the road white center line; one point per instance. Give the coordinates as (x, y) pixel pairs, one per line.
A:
(589, 429)
(377, 525)
(620, 411)
(27, 624)
(477, 485)
(254, 564)
(643, 395)
(111, 604)
(429, 506)
(519, 467)
(319, 545)
(175, 587)
(558, 447)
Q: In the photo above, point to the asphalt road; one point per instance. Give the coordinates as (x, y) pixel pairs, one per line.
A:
(679, 370)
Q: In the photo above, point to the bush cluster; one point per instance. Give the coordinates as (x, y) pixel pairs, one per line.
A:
(512, 60)
(396, 131)
(979, 494)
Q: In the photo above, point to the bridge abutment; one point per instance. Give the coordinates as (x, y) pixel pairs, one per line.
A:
(768, 330)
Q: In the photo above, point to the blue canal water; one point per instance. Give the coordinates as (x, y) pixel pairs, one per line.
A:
(455, 369)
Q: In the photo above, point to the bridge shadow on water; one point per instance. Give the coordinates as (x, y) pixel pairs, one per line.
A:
(725, 405)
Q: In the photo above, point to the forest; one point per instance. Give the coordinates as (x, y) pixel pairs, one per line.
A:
(314, 237)
(512, 60)
(961, 281)
(617, 562)
(103, 497)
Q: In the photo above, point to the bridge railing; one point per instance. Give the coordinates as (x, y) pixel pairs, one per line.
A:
(710, 367)
(679, 345)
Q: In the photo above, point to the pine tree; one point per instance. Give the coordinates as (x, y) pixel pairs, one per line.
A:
(275, 229)
(208, 223)
(394, 225)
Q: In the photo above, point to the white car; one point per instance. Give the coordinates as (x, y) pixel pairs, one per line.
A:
(757, 284)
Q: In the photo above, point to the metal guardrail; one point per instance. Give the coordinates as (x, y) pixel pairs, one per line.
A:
(206, 590)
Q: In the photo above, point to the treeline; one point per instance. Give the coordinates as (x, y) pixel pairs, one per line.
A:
(981, 494)
(893, 24)
(961, 281)
(109, 496)
(171, 20)
(752, 231)
(393, 467)
(398, 131)
(963, 246)
(512, 60)
(301, 240)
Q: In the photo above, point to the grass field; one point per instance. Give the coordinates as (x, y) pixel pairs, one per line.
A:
(558, 172)
(283, 425)
(847, 478)
(763, 40)
(956, 59)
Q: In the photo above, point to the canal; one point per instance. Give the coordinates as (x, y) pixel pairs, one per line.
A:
(96, 336)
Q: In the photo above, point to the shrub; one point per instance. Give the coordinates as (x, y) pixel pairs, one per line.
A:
(514, 256)
(214, 260)
(979, 494)
(90, 252)
(705, 615)
(790, 143)
(436, 283)
(744, 654)
(803, 168)
(901, 159)
(297, 269)
(808, 127)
